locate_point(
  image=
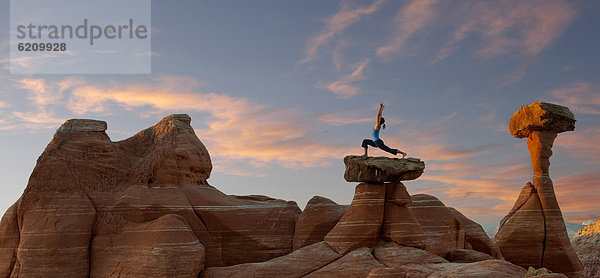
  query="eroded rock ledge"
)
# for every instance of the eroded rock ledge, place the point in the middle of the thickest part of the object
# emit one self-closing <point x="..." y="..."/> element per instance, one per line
<point x="382" y="169"/>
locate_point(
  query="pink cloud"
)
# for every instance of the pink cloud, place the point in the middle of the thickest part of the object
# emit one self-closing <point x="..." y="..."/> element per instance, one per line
<point x="525" y="27"/>
<point x="581" y="97"/>
<point x="236" y="129"/>
<point x="411" y="19"/>
<point x="344" y="118"/>
<point x="581" y="144"/>
<point x="577" y="195"/>
<point x="343" y="88"/>
<point x="39" y="92"/>
<point x="337" y="24"/>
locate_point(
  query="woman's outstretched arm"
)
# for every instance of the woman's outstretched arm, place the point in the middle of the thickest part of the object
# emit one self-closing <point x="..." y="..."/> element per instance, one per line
<point x="377" y="125"/>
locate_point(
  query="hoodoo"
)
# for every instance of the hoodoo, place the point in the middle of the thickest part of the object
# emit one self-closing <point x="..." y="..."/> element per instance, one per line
<point x="533" y="233"/>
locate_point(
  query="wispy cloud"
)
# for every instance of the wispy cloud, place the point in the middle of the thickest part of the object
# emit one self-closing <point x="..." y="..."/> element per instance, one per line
<point x="409" y="20"/>
<point x="344" y="88"/>
<point x="38" y="120"/>
<point x="344" y="118"/>
<point x="236" y="129"/>
<point x="336" y="25"/>
<point x="581" y="144"/>
<point x="490" y="118"/>
<point x="581" y="97"/>
<point x="38" y="114"/>
<point x="512" y="26"/>
<point x="578" y="196"/>
<point x="39" y="92"/>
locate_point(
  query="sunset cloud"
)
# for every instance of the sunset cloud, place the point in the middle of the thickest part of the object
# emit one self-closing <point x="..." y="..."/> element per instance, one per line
<point x="39" y="93"/>
<point x="581" y="97"/>
<point x="581" y="144"/>
<point x="409" y="20"/>
<point x="344" y="88"/>
<point x="237" y="129"/>
<point x="344" y="118"/>
<point x="578" y="196"/>
<point x="525" y="27"/>
<point x="337" y="24"/>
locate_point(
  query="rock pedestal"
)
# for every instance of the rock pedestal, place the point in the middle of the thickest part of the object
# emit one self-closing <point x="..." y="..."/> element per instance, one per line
<point x="379" y="208"/>
<point x="361" y="224"/>
<point x="399" y="223"/>
<point x="534" y="233"/>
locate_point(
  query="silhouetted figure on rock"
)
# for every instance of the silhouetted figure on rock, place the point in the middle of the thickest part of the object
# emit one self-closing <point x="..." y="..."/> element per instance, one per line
<point x="377" y="142"/>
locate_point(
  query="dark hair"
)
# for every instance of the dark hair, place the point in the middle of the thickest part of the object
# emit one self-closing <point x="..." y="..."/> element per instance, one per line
<point x="382" y="122"/>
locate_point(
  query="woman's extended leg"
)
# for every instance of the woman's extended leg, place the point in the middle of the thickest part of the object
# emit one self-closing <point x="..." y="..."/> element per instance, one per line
<point x="382" y="146"/>
<point x="367" y="142"/>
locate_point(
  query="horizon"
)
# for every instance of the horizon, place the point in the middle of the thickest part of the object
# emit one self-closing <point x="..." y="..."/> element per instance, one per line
<point x="278" y="106"/>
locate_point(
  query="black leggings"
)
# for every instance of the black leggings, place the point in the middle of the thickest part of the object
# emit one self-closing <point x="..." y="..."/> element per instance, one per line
<point x="379" y="144"/>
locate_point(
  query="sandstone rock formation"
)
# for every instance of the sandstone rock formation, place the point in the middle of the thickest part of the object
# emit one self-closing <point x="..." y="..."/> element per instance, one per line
<point x="395" y="255"/>
<point x="589" y="230"/>
<point x="297" y="264"/>
<point x="476" y="238"/>
<point x="542" y="273"/>
<point x="357" y="263"/>
<point x="534" y="233"/>
<point x="467" y="256"/>
<point x="399" y="223"/>
<point x="523" y="226"/>
<point x="125" y="249"/>
<point x="382" y="169"/>
<point x="483" y="269"/>
<point x="317" y="219"/>
<point x="9" y="240"/>
<point x="587" y="245"/>
<point x="446" y="229"/>
<point x="143" y="207"/>
<point x="361" y="224"/>
<point x="153" y="181"/>
<point x="386" y="272"/>
<point x="541" y="116"/>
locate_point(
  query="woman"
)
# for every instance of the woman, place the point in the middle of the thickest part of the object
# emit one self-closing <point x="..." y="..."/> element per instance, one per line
<point x="377" y="142"/>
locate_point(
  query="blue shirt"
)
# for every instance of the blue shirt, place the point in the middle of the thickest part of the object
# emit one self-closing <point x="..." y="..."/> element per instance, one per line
<point x="375" y="134"/>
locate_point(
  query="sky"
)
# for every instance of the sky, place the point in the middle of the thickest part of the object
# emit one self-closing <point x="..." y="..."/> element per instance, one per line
<point x="280" y="91"/>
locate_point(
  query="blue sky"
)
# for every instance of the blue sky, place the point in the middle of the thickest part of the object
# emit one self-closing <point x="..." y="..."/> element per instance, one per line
<point x="280" y="91"/>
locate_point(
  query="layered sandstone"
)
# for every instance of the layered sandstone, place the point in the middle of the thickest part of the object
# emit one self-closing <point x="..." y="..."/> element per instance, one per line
<point x="467" y="256"/>
<point x="386" y="272"/>
<point x="357" y="263"/>
<point x="399" y="223"/>
<point x="534" y="233"/>
<point x="446" y="229"/>
<point x="155" y="182"/>
<point x="361" y="224"/>
<point x="395" y="255"/>
<point x="318" y="218"/>
<point x="297" y="264"/>
<point x="122" y="248"/>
